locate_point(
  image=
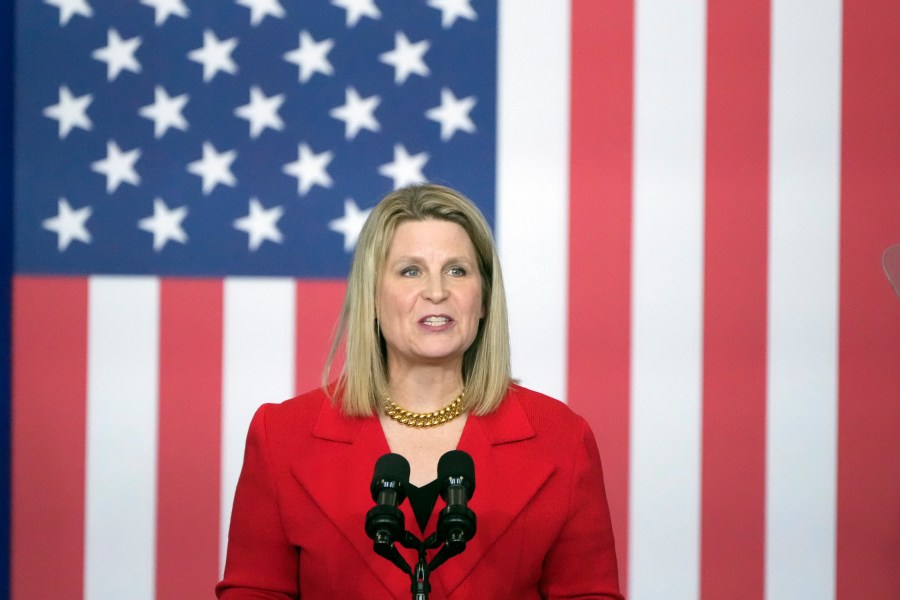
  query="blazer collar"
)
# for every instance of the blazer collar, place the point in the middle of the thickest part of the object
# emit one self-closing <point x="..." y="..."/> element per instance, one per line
<point x="337" y="475"/>
<point x="508" y="423"/>
<point x="334" y="426"/>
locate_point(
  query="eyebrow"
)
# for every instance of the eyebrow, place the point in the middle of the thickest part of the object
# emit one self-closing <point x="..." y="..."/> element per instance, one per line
<point x="409" y="258"/>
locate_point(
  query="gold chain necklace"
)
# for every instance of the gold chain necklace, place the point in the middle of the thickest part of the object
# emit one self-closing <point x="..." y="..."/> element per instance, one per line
<point x="421" y="420"/>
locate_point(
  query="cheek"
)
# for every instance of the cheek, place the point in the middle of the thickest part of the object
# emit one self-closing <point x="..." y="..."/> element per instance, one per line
<point x="385" y="300"/>
<point x="390" y="306"/>
<point x="475" y="306"/>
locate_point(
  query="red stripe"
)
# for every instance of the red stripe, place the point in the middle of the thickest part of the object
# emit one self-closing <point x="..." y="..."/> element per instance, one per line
<point x="49" y="391"/>
<point x="869" y="353"/>
<point x="190" y="392"/>
<point x="600" y="239"/>
<point x="735" y="301"/>
<point x="318" y="308"/>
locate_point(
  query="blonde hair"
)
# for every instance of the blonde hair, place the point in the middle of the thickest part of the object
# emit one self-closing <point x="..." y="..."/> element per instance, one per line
<point x="363" y="377"/>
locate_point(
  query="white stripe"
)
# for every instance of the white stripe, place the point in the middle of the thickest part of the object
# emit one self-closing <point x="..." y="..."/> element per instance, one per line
<point x="122" y="406"/>
<point x="803" y="294"/>
<point x="533" y="185"/>
<point x="667" y="299"/>
<point x="258" y="365"/>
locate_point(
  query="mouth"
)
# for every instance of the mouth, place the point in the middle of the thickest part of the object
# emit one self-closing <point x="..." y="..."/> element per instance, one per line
<point x="435" y="320"/>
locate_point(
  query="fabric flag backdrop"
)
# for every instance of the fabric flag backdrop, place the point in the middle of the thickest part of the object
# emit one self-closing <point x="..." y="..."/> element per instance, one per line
<point x="691" y="200"/>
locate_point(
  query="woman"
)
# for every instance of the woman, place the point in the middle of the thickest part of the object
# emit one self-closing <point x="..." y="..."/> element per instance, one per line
<point x="426" y="370"/>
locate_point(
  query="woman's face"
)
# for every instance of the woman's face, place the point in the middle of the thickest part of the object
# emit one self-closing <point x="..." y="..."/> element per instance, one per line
<point x="429" y="295"/>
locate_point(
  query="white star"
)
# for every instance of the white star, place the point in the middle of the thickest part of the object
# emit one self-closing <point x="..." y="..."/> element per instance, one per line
<point x="118" y="54"/>
<point x="118" y="166"/>
<point x="68" y="224"/>
<point x="260" y="224"/>
<point x="165" y="224"/>
<point x="166" y="8"/>
<point x="215" y="55"/>
<point x="406" y="58"/>
<point x="451" y="9"/>
<point x="311" y="56"/>
<point x="260" y="9"/>
<point x="357" y="113"/>
<point x="309" y="169"/>
<point x="350" y="224"/>
<point x="214" y="168"/>
<point x="165" y="112"/>
<point x="70" y="8"/>
<point x="261" y="112"/>
<point x="405" y="169"/>
<point x="70" y="111"/>
<point x="452" y="114"/>
<point x="356" y="9"/>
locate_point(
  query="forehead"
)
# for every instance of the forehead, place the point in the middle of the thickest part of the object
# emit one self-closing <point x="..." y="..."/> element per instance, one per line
<point x="430" y="236"/>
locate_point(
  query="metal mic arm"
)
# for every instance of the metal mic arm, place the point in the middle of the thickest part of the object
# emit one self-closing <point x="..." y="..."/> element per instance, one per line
<point x="384" y="524"/>
<point x="456" y="525"/>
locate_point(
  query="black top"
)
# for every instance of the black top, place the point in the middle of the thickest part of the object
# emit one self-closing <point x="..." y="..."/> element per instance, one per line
<point x="422" y="499"/>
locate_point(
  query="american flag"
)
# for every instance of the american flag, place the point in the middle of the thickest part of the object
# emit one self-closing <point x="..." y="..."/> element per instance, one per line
<point x="690" y="199"/>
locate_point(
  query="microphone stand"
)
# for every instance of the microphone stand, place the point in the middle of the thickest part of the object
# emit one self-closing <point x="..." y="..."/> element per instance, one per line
<point x="419" y="584"/>
<point x="420" y="587"/>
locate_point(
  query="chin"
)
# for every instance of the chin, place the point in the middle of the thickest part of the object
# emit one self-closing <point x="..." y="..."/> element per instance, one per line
<point x="438" y="357"/>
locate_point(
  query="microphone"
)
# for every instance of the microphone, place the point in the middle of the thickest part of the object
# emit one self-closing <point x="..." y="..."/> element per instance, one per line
<point x="391" y="477"/>
<point x="384" y="521"/>
<point x="456" y="522"/>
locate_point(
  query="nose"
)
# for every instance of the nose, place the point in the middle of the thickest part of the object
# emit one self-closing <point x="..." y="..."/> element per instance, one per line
<point x="435" y="289"/>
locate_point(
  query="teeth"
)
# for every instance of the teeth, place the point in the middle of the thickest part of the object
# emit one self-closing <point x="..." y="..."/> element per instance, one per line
<point x="436" y="320"/>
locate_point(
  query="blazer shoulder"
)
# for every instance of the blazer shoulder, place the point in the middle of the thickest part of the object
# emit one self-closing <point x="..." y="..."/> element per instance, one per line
<point x="297" y="414"/>
<point x="555" y="425"/>
<point x="307" y="403"/>
<point x="542" y="408"/>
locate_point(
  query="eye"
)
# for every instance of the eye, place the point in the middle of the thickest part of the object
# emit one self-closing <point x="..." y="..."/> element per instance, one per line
<point x="410" y="272"/>
<point x="457" y="271"/>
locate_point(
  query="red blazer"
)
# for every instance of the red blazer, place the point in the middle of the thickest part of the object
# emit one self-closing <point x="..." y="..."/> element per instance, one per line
<point x="297" y="527"/>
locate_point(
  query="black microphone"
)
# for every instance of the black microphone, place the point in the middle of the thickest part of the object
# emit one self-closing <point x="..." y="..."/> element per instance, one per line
<point x="384" y="521"/>
<point x="456" y="522"/>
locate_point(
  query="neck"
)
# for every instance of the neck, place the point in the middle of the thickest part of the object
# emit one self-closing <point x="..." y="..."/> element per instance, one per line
<point x="425" y="389"/>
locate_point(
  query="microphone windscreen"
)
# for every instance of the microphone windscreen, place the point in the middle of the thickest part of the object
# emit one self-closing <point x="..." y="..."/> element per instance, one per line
<point x="457" y="463"/>
<point x="391" y="467"/>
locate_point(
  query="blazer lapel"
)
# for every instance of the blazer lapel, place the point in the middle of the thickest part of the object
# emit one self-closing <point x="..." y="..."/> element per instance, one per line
<point x="337" y="474"/>
<point x="507" y="476"/>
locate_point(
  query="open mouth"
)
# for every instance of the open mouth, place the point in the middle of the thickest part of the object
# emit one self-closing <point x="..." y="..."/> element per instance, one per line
<point x="435" y="321"/>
